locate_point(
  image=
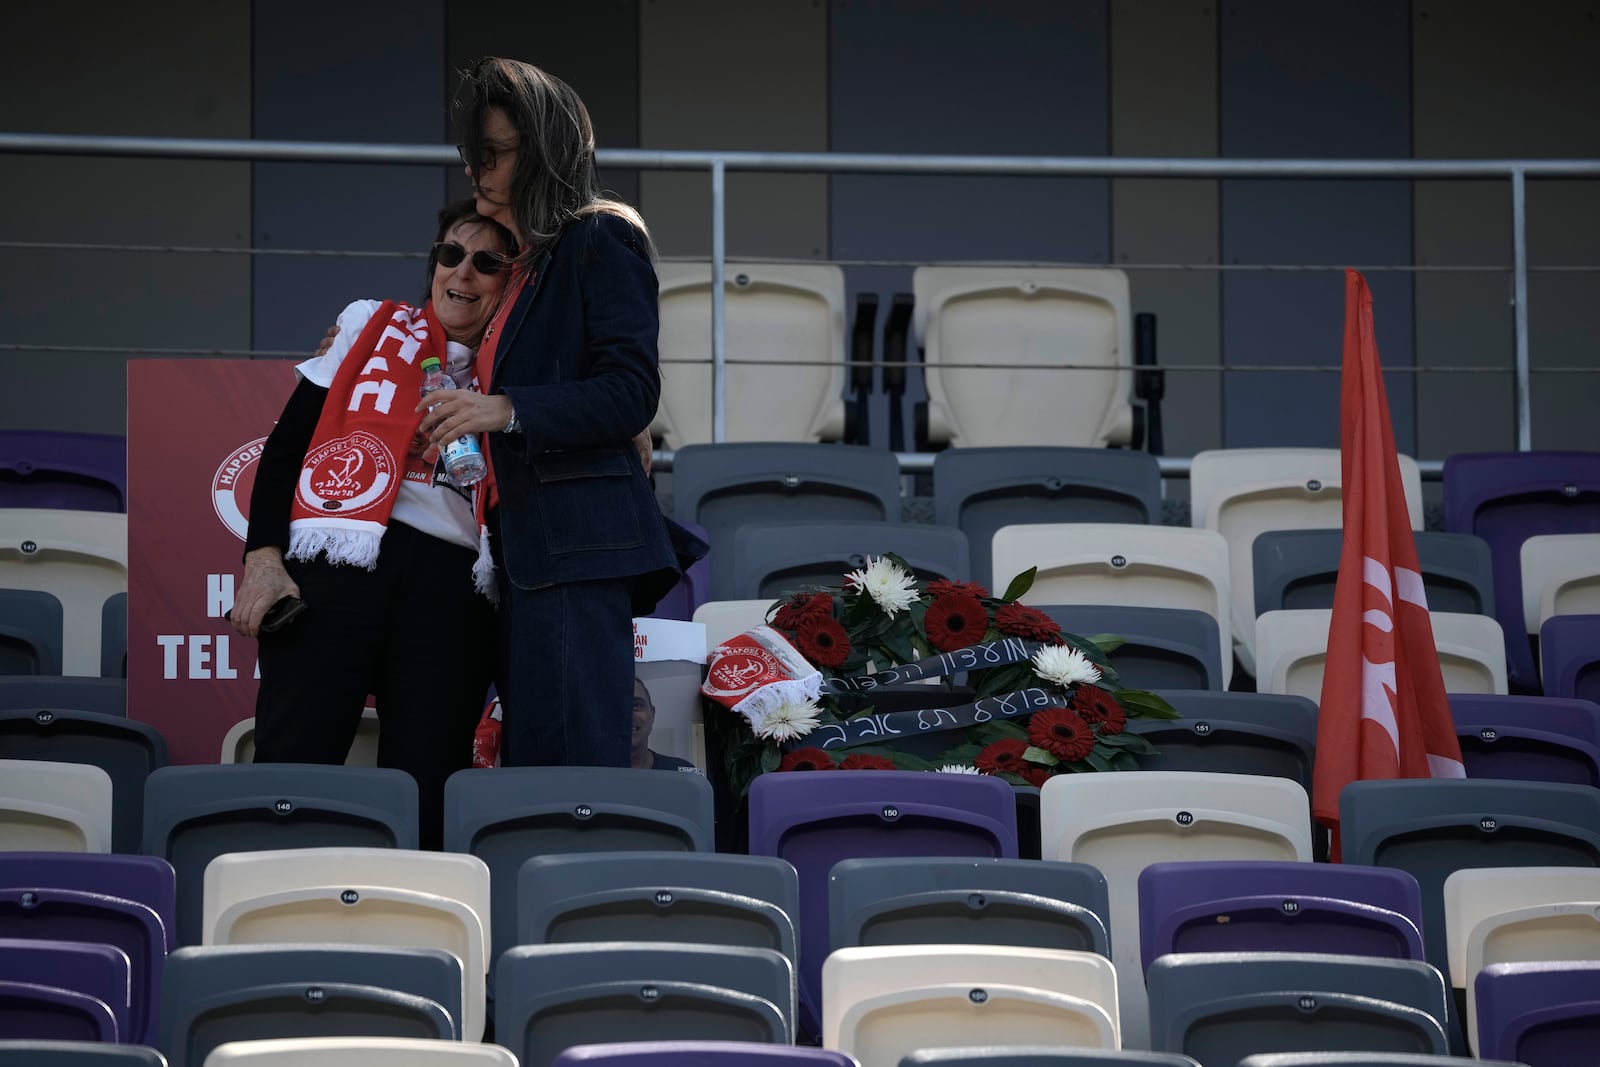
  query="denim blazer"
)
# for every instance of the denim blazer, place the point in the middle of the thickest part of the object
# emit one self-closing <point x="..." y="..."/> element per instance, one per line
<point x="578" y="360"/>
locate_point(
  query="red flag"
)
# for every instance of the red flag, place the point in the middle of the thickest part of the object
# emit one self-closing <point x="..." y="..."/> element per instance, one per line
<point x="1384" y="713"/>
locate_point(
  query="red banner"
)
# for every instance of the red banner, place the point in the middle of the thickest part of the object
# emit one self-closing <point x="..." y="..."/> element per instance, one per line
<point x="195" y="431"/>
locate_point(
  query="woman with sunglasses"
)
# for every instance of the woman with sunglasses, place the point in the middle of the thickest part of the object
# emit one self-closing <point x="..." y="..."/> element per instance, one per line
<point x="353" y="516"/>
<point x="580" y="544"/>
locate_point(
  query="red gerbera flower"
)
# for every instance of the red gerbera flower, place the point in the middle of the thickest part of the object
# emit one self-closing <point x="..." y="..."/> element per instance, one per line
<point x="1019" y="620"/>
<point x="801" y="607"/>
<point x="1002" y="755"/>
<point x="955" y="621"/>
<point x="940" y="587"/>
<point x="866" y="761"/>
<point x="807" y="759"/>
<point x="1034" y="774"/>
<point x="1060" y="732"/>
<point x="1099" y="708"/>
<point x="822" y="640"/>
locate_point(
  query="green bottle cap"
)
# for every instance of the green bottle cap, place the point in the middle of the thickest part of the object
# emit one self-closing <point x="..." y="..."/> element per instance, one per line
<point x="430" y="363"/>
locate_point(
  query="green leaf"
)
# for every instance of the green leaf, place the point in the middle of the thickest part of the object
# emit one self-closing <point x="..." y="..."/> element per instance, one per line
<point x="1127" y="742"/>
<point x="897" y="644"/>
<point x="963" y="754"/>
<point x="1098" y="761"/>
<point x="1143" y="704"/>
<point x="1020" y="584"/>
<point x="1002" y="729"/>
<point x="770" y="758"/>
<point x="1035" y="754"/>
<point x="1124" y="761"/>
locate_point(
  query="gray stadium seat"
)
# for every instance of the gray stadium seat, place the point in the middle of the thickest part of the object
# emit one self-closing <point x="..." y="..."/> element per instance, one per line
<point x="114" y="637"/>
<point x="980" y="490"/>
<point x="707" y="897"/>
<point x="777" y="559"/>
<point x="1297" y="569"/>
<point x="952" y="900"/>
<point x="507" y="815"/>
<point x="194" y="814"/>
<point x="1042" y="1056"/>
<point x="1220" y="1007"/>
<point x="225" y="993"/>
<point x="1366" y="1059"/>
<point x="1241" y="733"/>
<point x="551" y="997"/>
<point x="30" y="632"/>
<point x="108" y="696"/>
<point x="1163" y="648"/>
<point x="77" y="1054"/>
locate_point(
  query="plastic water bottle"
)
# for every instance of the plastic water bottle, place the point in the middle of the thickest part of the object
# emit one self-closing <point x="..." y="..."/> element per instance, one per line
<point x="463" y="460"/>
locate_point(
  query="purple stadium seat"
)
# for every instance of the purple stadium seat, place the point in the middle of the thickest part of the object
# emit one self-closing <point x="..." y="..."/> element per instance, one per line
<point x="815" y="819"/>
<point x="1257" y="906"/>
<point x="61" y="470"/>
<point x="1541" y="1014"/>
<point x="693" y="589"/>
<point x="1528" y="738"/>
<point x="1506" y="498"/>
<point x="1569" y="645"/>
<point x="699" y="1054"/>
<point x="30" y="1011"/>
<point x="147" y="880"/>
<point x="98" y="971"/>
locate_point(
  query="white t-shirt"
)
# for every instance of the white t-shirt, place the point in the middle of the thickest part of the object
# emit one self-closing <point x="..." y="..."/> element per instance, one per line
<point x="438" y="508"/>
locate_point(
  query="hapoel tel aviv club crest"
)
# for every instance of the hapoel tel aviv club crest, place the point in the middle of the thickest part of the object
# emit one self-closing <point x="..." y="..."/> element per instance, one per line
<point x="347" y="475"/>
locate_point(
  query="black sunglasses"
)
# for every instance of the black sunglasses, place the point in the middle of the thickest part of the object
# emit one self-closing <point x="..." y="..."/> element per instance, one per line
<point x="488" y="156"/>
<point x="448" y="254"/>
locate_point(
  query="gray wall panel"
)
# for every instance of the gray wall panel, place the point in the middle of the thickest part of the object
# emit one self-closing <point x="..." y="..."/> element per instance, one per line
<point x="733" y="75"/>
<point x="561" y="38"/>
<point x="1290" y="89"/>
<point x="1164" y="103"/>
<point x="375" y="74"/>
<point x="1497" y="80"/>
<point x="1018" y="77"/>
<point x="112" y="69"/>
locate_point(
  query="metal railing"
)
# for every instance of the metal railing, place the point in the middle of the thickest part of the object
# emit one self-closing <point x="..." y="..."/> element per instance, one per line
<point x="1515" y="171"/>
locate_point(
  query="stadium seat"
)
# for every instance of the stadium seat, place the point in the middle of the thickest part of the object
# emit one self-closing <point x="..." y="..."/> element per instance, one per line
<point x="786" y="346"/>
<point x="1243" y="492"/>
<point x="1298" y="569"/>
<point x="707" y="897"/>
<point x="63" y="471"/>
<point x="980" y="490"/>
<point x="1292" y="648"/>
<point x="882" y="1003"/>
<point x="816" y="820"/>
<point x="1254" y="906"/>
<point x="101" y="973"/>
<point x="126" y="750"/>
<point x="1133" y="566"/>
<point x="114" y="636"/>
<point x="1516" y="915"/>
<point x="551" y="997"/>
<point x="81" y="558"/>
<point x="357" y="1052"/>
<point x="891" y="900"/>
<point x="49" y="806"/>
<point x="700" y="1054"/>
<point x="1569" y="652"/>
<point x="239" y="743"/>
<point x="721" y="487"/>
<point x="30" y="632"/>
<point x="1120" y="822"/>
<point x="126" y="902"/>
<point x="1542" y="1014"/>
<point x="507" y="815"/>
<point x="1220" y="1007"/>
<point x="730" y="618"/>
<point x="1366" y="1059"/>
<point x="1529" y="738"/>
<point x="1235" y="733"/>
<point x="33" y="1011"/>
<point x="993" y="340"/>
<point x="77" y="1054"/>
<point x="1560" y="576"/>
<point x="194" y="814"/>
<point x="222" y="993"/>
<point x="357" y="896"/>
<point x="1009" y="1055"/>
<point x="107" y="696"/>
<point x="1162" y="648"/>
<point x="1506" y="498"/>
<point x="779" y="559"/>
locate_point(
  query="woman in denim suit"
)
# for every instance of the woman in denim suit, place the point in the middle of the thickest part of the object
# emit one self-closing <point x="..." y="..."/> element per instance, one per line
<point x="580" y="544"/>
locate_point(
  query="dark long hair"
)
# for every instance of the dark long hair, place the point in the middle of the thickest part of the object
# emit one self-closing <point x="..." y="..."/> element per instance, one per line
<point x="452" y="215"/>
<point x="554" y="180"/>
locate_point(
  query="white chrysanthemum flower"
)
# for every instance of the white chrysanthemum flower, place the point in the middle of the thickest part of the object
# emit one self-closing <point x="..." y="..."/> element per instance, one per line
<point x="890" y="587"/>
<point x="957" y="768"/>
<point x="1064" y="665"/>
<point x="788" y="721"/>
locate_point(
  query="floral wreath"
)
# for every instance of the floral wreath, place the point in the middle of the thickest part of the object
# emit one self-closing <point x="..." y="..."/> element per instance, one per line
<point x="1043" y="702"/>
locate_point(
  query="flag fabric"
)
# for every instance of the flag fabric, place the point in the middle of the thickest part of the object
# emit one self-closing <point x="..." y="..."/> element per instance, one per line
<point x="1384" y="713"/>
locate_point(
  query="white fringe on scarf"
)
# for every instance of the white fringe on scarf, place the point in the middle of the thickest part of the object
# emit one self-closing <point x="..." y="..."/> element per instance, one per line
<point x="358" y="548"/>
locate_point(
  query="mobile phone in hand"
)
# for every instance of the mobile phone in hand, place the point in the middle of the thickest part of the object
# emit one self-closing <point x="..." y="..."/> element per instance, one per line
<point x="281" y="614"/>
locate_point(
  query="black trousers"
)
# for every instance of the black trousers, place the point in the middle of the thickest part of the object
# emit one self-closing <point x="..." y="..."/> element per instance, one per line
<point x="412" y="633"/>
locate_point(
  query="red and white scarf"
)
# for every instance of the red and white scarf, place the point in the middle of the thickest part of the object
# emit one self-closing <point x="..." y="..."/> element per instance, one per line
<point x="361" y="449"/>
